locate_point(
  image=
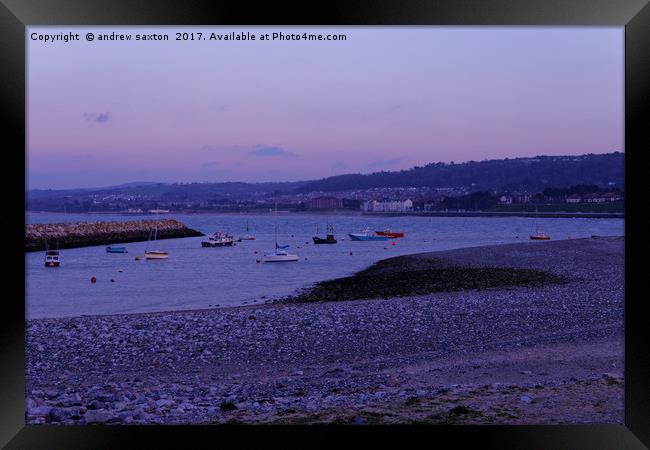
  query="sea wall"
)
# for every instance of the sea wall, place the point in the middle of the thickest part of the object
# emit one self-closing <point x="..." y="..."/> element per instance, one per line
<point x="83" y="234"/>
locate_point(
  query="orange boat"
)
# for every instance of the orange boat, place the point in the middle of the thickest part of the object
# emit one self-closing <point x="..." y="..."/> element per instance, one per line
<point x="390" y="234"/>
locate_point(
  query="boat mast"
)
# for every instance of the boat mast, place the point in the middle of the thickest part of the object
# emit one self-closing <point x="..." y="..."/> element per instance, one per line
<point x="276" y="226"/>
<point x="155" y="235"/>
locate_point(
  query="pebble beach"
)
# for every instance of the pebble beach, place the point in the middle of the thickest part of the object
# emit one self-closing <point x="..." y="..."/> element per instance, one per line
<point x="537" y="350"/>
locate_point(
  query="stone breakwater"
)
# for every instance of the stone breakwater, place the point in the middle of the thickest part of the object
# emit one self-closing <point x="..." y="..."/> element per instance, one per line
<point x="546" y="353"/>
<point x="84" y="234"/>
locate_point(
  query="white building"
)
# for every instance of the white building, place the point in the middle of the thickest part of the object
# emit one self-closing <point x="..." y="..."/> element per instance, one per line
<point x="387" y="206"/>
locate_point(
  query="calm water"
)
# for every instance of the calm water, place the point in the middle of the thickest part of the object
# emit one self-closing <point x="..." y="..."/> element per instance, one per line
<point x="194" y="277"/>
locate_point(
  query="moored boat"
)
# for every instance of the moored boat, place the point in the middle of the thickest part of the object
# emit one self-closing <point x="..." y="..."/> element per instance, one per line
<point x="389" y="233"/>
<point x="111" y="249"/>
<point x="247" y="236"/>
<point x="52" y="258"/>
<point x="539" y="235"/>
<point x="154" y="254"/>
<point x="329" y="237"/>
<point x="219" y="239"/>
<point x="367" y="235"/>
<point x="280" y="254"/>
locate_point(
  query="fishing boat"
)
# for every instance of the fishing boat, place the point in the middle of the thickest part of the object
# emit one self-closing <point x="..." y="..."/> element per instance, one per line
<point x="52" y="257"/>
<point x="280" y="254"/>
<point x="367" y="235"/>
<point x="247" y="236"/>
<point x="154" y="254"/>
<point x="116" y="250"/>
<point x="219" y="239"/>
<point x="329" y="237"/>
<point x="539" y="235"/>
<point x="389" y="233"/>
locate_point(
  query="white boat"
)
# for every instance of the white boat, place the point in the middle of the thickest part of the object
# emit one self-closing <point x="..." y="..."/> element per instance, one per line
<point x="247" y="236"/>
<point x="367" y="235"/>
<point x="539" y="235"/>
<point x="52" y="256"/>
<point x="280" y="254"/>
<point x="154" y="254"/>
<point x="219" y="239"/>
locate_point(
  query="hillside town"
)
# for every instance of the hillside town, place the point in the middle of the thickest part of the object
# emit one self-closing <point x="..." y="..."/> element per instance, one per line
<point x="373" y="200"/>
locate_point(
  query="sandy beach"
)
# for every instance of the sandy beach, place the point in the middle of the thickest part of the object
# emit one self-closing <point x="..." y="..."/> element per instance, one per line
<point x="526" y="350"/>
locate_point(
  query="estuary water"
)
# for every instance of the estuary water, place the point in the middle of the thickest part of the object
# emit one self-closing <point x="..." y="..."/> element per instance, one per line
<point x="196" y="278"/>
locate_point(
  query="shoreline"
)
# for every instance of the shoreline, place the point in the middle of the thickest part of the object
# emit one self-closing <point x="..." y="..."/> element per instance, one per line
<point x="410" y="359"/>
<point x="497" y="214"/>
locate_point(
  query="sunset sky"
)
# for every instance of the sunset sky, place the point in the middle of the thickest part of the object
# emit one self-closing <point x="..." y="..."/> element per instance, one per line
<point x="387" y="98"/>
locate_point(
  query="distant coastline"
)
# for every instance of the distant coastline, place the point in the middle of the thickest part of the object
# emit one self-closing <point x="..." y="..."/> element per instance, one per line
<point x="555" y="215"/>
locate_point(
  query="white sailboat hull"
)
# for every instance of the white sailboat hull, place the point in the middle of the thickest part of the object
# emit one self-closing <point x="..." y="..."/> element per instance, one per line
<point x="156" y="255"/>
<point x="280" y="258"/>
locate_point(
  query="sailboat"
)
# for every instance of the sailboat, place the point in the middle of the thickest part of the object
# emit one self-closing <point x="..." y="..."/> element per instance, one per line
<point x="539" y="235"/>
<point x="280" y="254"/>
<point x="247" y="236"/>
<point x="329" y="239"/>
<point x="155" y="254"/>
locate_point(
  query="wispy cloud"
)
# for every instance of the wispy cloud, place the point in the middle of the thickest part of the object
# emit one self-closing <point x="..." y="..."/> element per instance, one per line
<point x="98" y="118"/>
<point x="265" y="151"/>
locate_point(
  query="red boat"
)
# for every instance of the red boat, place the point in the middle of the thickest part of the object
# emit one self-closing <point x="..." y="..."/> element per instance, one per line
<point x="389" y="233"/>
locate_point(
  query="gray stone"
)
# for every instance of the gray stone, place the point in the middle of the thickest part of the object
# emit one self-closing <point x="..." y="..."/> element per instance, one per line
<point x="526" y="399"/>
<point x="97" y="416"/>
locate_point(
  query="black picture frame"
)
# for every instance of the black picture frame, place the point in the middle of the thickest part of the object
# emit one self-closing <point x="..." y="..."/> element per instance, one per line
<point x="16" y="15"/>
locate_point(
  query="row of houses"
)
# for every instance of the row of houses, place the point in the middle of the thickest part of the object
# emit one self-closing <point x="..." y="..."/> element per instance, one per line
<point x="387" y="205"/>
<point x="508" y="199"/>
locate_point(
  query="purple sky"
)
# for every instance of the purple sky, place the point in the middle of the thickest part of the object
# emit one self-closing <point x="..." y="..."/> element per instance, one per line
<point x="388" y="98"/>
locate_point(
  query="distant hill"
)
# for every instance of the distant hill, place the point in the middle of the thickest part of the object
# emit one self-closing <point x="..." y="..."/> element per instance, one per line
<point x="532" y="174"/>
<point x="518" y="174"/>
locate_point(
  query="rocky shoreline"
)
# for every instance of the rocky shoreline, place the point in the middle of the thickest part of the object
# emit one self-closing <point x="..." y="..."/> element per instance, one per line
<point x="84" y="234"/>
<point x="535" y="354"/>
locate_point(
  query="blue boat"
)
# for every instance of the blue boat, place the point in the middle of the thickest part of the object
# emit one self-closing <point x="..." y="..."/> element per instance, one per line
<point x="367" y="235"/>
<point x="116" y="250"/>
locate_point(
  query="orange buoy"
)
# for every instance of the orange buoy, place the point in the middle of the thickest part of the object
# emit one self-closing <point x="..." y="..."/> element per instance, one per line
<point x="394" y="243"/>
<point x="93" y="280"/>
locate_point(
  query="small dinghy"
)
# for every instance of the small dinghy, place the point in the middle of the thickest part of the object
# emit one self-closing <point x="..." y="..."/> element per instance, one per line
<point x="116" y="250"/>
